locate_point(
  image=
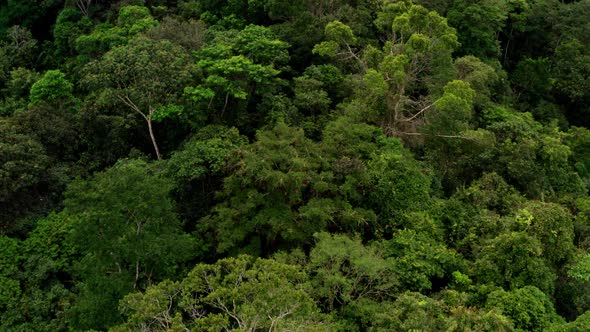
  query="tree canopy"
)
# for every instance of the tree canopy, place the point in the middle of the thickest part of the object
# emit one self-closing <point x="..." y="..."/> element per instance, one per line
<point x="317" y="165"/>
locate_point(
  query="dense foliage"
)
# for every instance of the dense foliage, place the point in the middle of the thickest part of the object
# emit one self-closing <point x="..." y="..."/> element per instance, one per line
<point x="316" y="165"/>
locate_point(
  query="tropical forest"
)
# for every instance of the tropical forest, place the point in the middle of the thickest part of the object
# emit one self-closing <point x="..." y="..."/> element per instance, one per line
<point x="295" y="165"/>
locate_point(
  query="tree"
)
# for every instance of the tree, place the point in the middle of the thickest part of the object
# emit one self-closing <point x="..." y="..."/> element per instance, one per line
<point x="572" y="70"/>
<point x="418" y="259"/>
<point x="340" y="43"/>
<point x="69" y="25"/>
<point x="414" y="311"/>
<point x="451" y="113"/>
<point x="478" y="24"/>
<point x="528" y="307"/>
<point x="198" y="167"/>
<point x="241" y="293"/>
<point x="415" y="57"/>
<point x="58" y="128"/>
<point x="533" y="157"/>
<point x="493" y="193"/>
<point x="9" y="287"/>
<point x="283" y="188"/>
<point x="128" y="236"/>
<point x="20" y="47"/>
<point x="553" y="225"/>
<point x="485" y="79"/>
<point x="532" y="79"/>
<point x="572" y="295"/>
<point x="16" y="92"/>
<point x="344" y="271"/>
<point x="23" y="165"/>
<point x="451" y="145"/>
<point x="239" y="67"/>
<point x="131" y="21"/>
<point x="513" y="260"/>
<point x="581" y="268"/>
<point x="45" y="262"/>
<point x="188" y="34"/>
<point x="376" y="173"/>
<point x="578" y="140"/>
<point x="269" y="182"/>
<point x="578" y="325"/>
<point x="20" y="82"/>
<point x="53" y="88"/>
<point x="146" y="76"/>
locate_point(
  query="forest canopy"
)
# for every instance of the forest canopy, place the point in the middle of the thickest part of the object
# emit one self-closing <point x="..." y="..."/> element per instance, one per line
<point x="316" y="165"/>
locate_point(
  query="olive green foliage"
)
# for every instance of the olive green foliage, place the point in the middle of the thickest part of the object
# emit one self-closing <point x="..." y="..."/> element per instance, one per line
<point x="514" y="260"/>
<point x="190" y="35"/>
<point x="198" y="167"/>
<point x="241" y="293"/>
<point x="571" y="70"/>
<point x="303" y="165"/>
<point x="19" y="48"/>
<point x="23" y="161"/>
<point x="69" y="25"/>
<point x="284" y="179"/>
<point x="483" y="78"/>
<point x="414" y="311"/>
<point x="145" y="77"/>
<point x="346" y="272"/>
<point x="9" y="288"/>
<point x="204" y="153"/>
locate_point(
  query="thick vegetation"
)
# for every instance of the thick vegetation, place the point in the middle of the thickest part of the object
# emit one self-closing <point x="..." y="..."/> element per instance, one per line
<point x="309" y="165"/>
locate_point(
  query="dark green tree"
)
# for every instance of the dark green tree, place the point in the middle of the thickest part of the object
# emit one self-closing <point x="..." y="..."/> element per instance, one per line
<point x="128" y="236"/>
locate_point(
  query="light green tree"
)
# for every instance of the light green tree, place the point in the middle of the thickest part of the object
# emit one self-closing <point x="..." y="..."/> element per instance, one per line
<point x="240" y="294"/>
<point x="131" y="21"/>
<point x="238" y="67"/>
<point x="415" y="55"/>
<point x="344" y="271"/>
<point x="53" y="88"/>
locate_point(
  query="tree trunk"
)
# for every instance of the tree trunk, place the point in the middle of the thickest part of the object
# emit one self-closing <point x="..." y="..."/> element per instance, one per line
<point x="148" y="118"/>
<point x="149" y="121"/>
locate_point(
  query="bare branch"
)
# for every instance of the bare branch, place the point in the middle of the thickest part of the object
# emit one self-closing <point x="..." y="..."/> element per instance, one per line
<point x="437" y="135"/>
<point x="420" y="112"/>
<point x="127" y="101"/>
<point x="83" y="5"/>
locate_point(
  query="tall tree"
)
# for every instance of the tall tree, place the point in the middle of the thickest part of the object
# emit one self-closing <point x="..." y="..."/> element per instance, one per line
<point x="415" y="58"/>
<point x="145" y="76"/>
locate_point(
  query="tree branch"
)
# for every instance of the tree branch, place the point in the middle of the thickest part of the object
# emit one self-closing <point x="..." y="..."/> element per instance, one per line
<point x="127" y="101"/>
<point x="436" y="135"/>
<point x="420" y="112"/>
